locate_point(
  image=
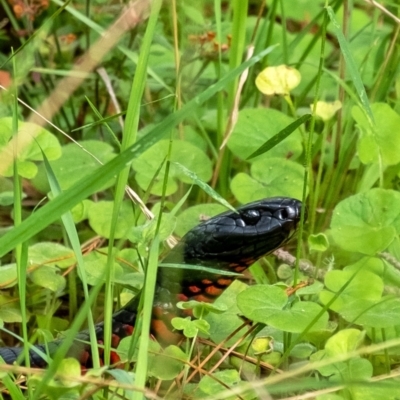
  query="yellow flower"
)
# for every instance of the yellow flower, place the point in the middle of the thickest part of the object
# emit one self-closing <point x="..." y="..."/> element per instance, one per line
<point x="325" y="110"/>
<point x="278" y="80"/>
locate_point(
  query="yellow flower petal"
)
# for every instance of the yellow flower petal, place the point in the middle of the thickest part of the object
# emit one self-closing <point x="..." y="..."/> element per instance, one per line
<point x="278" y="80"/>
<point x="326" y="110"/>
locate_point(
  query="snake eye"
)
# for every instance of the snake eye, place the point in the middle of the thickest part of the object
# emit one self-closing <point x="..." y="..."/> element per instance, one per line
<point x="250" y="217"/>
<point x="282" y="214"/>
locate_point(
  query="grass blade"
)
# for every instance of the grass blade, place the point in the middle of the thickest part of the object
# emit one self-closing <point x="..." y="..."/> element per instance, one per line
<point x="74" y="239"/>
<point x="351" y="65"/>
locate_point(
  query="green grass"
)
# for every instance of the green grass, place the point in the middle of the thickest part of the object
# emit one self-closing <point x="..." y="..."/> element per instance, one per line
<point x="175" y="72"/>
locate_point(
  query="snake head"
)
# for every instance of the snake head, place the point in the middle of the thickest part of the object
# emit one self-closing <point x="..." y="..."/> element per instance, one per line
<point x="255" y="230"/>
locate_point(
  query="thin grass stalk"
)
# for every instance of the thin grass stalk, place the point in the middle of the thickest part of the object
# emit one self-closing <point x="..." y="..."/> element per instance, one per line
<point x="308" y="182"/>
<point x="177" y="59"/>
<point x="342" y="74"/>
<point x="149" y="289"/>
<point x="271" y="26"/>
<point x="285" y="55"/>
<point x="318" y="181"/>
<point x="128" y="139"/>
<point x="237" y="49"/>
<point x="239" y="11"/>
<point x="87" y="30"/>
<point x="218" y="68"/>
<point x="73" y="237"/>
<point x="21" y="250"/>
<point x="388" y="68"/>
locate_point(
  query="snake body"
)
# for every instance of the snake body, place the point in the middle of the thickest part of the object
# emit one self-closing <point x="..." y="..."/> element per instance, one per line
<point x="227" y="242"/>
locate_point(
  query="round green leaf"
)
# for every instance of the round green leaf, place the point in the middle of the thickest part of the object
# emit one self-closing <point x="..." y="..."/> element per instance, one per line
<point x="343" y="342"/>
<point x="51" y="254"/>
<point x="149" y="162"/>
<point x="68" y="368"/>
<point x="100" y="215"/>
<point x="355" y="290"/>
<point x="9" y="310"/>
<point x="75" y="164"/>
<point x="95" y="267"/>
<point x="44" y="141"/>
<point x="382" y="314"/>
<point x="213" y="384"/>
<point x="8" y="275"/>
<point x="269" y="178"/>
<point x="186" y="325"/>
<point x="222" y="325"/>
<point x="268" y="305"/>
<point x="49" y="278"/>
<point x="257" y="125"/>
<point x="380" y="143"/>
<point x="318" y="242"/>
<point x="169" y="364"/>
<point x="367" y="222"/>
<point x="6" y="199"/>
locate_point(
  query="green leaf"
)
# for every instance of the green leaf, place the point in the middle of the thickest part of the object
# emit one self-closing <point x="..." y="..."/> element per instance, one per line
<point x="190" y="327"/>
<point x="96" y="263"/>
<point x="318" y="242"/>
<point x="76" y="163"/>
<point x="185" y="153"/>
<point x="387" y="272"/>
<point x="9" y="310"/>
<point x="367" y="222"/>
<point x="212" y="386"/>
<point x="302" y="350"/>
<point x="355" y="369"/>
<point x="202" y="325"/>
<point x="382" y="314"/>
<point x="222" y="325"/>
<point x="169" y="364"/>
<point x="80" y="211"/>
<point x="186" y="325"/>
<point x="49" y="278"/>
<point x="8" y="275"/>
<point x="255" y="126"/>
<point x="51" y="254"/>
<point x="7" y="198"/>
<point x="378" y="144"/>
<point x="356" y="289"/>
<point x="100" y="215"/>
<point x="343" y="342"/>
<point x="269" y="178"/>
<point x="44" y="140"/>
<point x="68" y="368"/>
<point x="269" y="305"/>
<point x="201" y="309"/>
